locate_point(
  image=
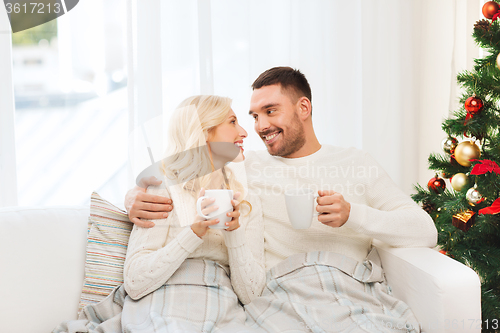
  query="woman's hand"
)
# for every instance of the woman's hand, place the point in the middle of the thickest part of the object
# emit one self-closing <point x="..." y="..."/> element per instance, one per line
<point x="200" y="226"/>
<point x="235" y="214"/>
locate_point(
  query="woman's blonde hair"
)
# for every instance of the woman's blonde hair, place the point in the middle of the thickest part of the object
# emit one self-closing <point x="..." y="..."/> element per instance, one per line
<point x="188" y="158"/>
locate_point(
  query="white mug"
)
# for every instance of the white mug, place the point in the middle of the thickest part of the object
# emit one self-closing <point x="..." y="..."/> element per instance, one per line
<point x="223" y="200"/>
<point x="300" y="206"/>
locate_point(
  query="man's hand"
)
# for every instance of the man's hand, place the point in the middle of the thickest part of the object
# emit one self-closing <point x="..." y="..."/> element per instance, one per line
<point x="141" y="205"/>
<point x="334" y="210"/>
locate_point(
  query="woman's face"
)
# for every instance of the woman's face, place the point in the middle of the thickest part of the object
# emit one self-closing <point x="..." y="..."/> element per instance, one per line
<point x="230" y="131"/>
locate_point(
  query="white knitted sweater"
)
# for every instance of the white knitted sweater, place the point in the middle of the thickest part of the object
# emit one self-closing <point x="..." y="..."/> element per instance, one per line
<point x="379" y="209"/>
<point x="154" y="254"/>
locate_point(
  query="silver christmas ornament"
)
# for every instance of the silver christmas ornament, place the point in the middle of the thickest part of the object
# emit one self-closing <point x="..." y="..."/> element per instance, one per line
<point x="449" y="144"/>
<point x="473" y="196"/>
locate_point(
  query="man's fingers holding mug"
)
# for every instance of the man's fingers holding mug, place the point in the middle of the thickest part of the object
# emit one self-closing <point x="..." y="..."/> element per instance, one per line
<point x="329" y="197"/>
<point x="329" y="208"/>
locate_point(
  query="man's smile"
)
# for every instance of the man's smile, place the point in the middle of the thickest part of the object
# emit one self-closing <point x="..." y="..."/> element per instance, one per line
<point x="270" y="138"/>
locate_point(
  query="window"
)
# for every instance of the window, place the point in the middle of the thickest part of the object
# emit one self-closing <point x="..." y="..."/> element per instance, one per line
<point x="71" y="106"/>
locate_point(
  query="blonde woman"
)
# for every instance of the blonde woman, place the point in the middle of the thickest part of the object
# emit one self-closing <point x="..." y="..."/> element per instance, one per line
<point x="189" y="279"/>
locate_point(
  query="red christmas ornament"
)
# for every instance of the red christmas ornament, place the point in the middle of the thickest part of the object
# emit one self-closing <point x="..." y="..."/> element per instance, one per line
<point x="436" y="184"/>
<point x="473" y="105"/>
<point x="490" y="8"/>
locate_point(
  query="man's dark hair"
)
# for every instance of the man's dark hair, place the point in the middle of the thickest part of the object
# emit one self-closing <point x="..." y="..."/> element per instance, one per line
<point x="292" y="81"/>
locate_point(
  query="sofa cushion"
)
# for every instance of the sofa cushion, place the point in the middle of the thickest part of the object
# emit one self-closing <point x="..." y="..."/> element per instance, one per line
<point x="42" y="255"/>
<point x="109" y="231"/>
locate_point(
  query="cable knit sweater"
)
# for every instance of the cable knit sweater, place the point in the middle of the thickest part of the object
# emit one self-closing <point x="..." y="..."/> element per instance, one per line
<point x="379" y="209"/>
<point x="154" y="254"/>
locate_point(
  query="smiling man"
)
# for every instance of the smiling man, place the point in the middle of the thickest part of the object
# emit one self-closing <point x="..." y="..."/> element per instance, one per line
<point x="326" y="277"/>
<point x="283" y="133"/>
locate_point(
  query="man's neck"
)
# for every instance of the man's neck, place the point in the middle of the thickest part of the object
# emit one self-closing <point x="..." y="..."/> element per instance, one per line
<point x="309" y="148"/>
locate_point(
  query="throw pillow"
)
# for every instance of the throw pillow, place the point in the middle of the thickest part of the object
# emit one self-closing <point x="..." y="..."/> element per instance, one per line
<point x="109" y="231"/>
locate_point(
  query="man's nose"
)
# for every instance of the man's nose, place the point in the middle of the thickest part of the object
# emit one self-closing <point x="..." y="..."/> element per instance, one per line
<point x="262" y="124"/>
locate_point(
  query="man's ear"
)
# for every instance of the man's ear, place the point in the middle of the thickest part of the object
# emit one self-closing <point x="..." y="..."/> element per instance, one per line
<point x="304" y="107"/>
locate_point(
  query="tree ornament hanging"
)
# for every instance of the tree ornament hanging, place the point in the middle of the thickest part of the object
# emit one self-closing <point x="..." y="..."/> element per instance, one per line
<point x="473" y="196"/>
<point x="436" y="184"/>
<point x="466" y="151"/>
<point x="473" y="105"/>
<point x="449" y="144"/>
<point x="498" y="61"/>
<point x="464" y="220"/>
<point x="459" y="181"/>
<point x="490" y="8"/>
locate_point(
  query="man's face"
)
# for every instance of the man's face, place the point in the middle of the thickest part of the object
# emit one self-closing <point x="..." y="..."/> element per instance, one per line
<point x="276" y="120"/>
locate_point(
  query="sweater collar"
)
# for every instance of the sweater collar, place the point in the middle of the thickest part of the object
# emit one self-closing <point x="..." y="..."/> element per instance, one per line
<point x="299" y="160"/>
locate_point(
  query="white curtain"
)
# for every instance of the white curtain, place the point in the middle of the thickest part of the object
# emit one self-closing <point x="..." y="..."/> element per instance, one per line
<point x="382" y="72"/>
<point x="8" y="179"/>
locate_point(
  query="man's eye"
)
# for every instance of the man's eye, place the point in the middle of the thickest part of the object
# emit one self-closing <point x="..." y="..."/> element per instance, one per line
<point x="270" y="111"/>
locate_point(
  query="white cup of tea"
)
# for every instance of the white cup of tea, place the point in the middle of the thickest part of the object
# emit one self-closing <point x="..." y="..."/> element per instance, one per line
<point x="223" y="200"/>
<point x="300" y="206"/>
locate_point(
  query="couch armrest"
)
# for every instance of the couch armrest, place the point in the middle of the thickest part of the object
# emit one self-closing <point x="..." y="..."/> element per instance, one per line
<point x="444" y="294"/>
<point x="42" y="259"/>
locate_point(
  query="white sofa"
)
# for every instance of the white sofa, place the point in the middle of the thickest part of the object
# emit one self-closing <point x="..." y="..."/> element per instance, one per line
<point x="42" y="255"/>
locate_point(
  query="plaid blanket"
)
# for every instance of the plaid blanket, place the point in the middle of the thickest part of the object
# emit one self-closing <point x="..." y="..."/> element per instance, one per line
<point x="197" y="298"/>
<point x="328" y="292"/>
<point x="308" y="292"/>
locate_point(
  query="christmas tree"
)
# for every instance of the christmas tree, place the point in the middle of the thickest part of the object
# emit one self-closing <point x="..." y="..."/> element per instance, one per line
<point x="467" y="216"/>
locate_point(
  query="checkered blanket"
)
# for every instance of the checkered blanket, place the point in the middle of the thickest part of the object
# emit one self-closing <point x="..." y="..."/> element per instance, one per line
<point x="309" y="292"/>
<point x="328" y="292"/>
<point x="197" y="298"/>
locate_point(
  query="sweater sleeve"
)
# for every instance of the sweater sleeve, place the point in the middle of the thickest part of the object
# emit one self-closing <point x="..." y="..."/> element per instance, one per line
<point x="245" y="247"/>
<point x="150" y="262"/>
<point x="390" y="216"/>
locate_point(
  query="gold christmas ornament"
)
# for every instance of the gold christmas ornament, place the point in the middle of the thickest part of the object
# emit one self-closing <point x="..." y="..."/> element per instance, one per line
<point x="466" y="151"/>
<point x="459" y="181"/>
<point x="498" y="61"/>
